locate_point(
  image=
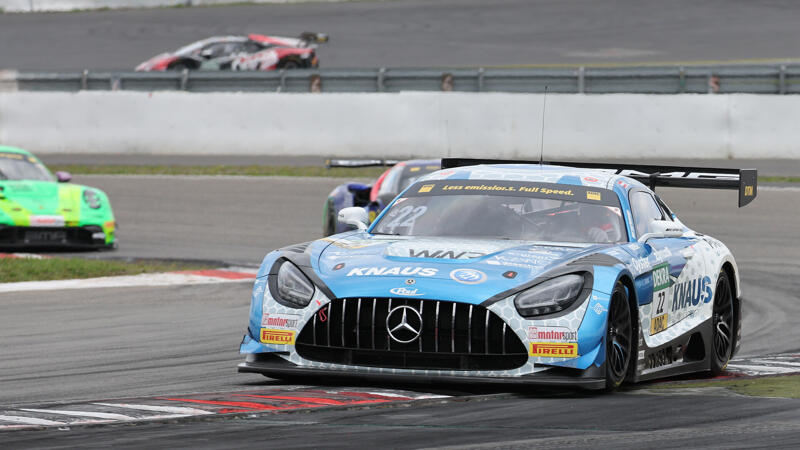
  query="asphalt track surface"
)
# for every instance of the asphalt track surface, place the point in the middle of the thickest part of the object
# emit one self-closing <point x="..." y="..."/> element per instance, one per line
<point x="112" y="343"/>
<point x="422" y="33"/>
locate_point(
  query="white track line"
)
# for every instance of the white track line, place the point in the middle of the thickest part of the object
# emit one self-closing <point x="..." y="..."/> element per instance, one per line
<point x="762" y="369"/>
<point x="30" y="420"/>
<point x="776" y="362"/>
<point x="145" y="279"/>
<point x="168" y="409"/>
<point x="98" y="415"/>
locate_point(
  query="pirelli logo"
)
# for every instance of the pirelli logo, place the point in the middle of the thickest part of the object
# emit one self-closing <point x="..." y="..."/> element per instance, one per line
<point x="553" y="349"/>
<point x="426" y="188"/>
<point x="270" y="336"/>
<point x="592" y="195"/>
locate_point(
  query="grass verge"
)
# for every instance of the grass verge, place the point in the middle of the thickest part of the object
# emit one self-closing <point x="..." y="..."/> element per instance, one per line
<point x="253" y="170"/>
<point x="787" y="386"/>
<point x="265" y="171"/>
<point x="778" y="179"/>
<point x="21" y="269"/>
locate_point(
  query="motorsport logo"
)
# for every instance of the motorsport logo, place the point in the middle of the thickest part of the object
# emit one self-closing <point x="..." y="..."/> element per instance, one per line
<point x="46" y="221"/>
<point x="552" y="334"/>
<point x="286" y="321"/>
<point x="468" y="276"/>
<point x="384" y="271"/>
<point x="283" y="337"/>
<point x="553" y="350"/>
<point x="405" y="291"/>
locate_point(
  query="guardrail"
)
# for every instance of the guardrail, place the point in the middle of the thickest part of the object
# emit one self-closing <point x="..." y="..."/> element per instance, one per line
<point x="762" y="79"/>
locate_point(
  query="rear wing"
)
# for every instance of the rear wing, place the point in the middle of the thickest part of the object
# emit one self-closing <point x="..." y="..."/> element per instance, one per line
<point x="360" y="162"/>
<point x="310" y="36"/>
<point x="743" y="180"/>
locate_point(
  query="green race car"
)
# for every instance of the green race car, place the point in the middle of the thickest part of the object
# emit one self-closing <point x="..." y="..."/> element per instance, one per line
<point x="38" y="209"/>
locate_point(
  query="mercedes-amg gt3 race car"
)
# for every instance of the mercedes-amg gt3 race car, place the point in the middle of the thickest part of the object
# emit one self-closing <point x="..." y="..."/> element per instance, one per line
<point x="251" y="52"/>
<point x="40" y="210"/>
<point x="374" y="196"/>
<point x="552" y="273"/>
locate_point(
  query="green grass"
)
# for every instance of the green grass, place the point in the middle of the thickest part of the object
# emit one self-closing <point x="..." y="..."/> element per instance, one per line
<point x="252" y="170"/>
<point x="778" y="179"/>
<point x="787" y="386"/>
<point x="265" y="171"/>
<point x="19" y="269"/>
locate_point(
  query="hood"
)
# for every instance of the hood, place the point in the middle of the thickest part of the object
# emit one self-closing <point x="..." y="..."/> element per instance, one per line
<point x="362" y="265"/>
<point x="45" y="203"/>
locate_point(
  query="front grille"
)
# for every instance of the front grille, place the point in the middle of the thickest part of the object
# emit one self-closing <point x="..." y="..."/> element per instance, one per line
<point x="454" y="336"/>
<point x="44" y="236"/>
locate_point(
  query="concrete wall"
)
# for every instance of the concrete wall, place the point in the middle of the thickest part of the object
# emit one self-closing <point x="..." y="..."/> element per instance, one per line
<point x="71" y="5"/>
<point x="404" y="124"/>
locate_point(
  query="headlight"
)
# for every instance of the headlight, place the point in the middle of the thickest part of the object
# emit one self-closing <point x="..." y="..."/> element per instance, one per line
<point x="551" y="296"/>
<point x="91" y="198"/>
<point x="294" y="288"/>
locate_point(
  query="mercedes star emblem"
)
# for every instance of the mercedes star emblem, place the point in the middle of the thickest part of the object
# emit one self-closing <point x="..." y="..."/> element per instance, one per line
<point x="404" y="324"/>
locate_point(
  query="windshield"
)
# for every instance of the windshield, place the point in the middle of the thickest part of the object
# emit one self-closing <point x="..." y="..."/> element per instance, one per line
<point x="505" y="210"/>
<point x="15" y="166"/>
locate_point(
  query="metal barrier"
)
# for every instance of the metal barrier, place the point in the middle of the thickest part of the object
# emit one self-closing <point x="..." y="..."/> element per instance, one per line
<point x="762" y="79"/>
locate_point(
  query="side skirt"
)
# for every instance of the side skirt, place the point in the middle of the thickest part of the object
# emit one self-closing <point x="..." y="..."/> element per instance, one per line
<point x="685" y="354"/>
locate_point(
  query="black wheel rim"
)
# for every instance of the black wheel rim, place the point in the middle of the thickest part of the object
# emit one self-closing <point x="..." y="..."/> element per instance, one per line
<point x="619" y="337"/>
<point x="723" y="322"/>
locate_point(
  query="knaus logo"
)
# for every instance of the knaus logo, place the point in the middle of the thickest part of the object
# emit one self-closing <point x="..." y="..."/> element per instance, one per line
<point x="385" y="271"/>
<point x="691" y="293"/>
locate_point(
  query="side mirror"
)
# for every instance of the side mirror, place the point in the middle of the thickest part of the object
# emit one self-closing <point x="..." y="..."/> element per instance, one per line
<point x="355" y="216"/>
<point x="661" y="229"/>
<point x="63" y="177"/>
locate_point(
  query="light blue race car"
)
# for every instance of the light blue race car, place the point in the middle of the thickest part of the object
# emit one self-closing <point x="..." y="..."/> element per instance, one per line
<point x="501" y="271"/>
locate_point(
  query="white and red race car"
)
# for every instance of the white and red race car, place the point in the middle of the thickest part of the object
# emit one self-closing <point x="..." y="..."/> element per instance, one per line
<point x="251" y="52"/>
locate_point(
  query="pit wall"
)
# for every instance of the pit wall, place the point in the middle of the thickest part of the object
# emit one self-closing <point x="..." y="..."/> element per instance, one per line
<point x="75" y="5"/>
<point x="404" y="125"/>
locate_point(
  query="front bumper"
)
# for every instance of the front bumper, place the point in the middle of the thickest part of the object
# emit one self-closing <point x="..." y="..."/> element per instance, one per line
<point x="87" y="237"/>
<point x="272" y="365"/>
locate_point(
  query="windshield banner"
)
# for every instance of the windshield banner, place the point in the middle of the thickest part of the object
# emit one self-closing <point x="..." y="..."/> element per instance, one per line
<point x="552" y="191"/>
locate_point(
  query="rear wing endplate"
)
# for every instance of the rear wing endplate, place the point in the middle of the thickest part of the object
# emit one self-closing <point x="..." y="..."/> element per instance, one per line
<point x="743" y="180"/>
<point x="360" y="162"/>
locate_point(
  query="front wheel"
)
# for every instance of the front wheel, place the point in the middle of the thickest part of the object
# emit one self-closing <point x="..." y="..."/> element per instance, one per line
<point x="722" y="320"/>
<point x="619" y="338"/>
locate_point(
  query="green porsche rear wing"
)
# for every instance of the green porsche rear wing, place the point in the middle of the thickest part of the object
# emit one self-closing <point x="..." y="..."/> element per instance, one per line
<point x="743" y="180"/>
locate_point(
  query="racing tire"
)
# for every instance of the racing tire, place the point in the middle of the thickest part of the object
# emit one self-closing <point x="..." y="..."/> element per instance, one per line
<point x="722" y="322"/>
<point x="291" y="64"/>
<point x="179" y="66"/>
<point x="619" y="338"/>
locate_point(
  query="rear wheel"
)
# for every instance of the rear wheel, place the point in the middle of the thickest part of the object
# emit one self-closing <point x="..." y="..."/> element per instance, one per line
<point x="291" y="64"/>
<point x="179" y="66"/>
<point x="619" y="338"/>
<point x="722" y="320"/>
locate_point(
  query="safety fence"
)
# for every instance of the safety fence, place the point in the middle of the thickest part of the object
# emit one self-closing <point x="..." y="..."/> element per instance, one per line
<point x="722" y="79"/>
